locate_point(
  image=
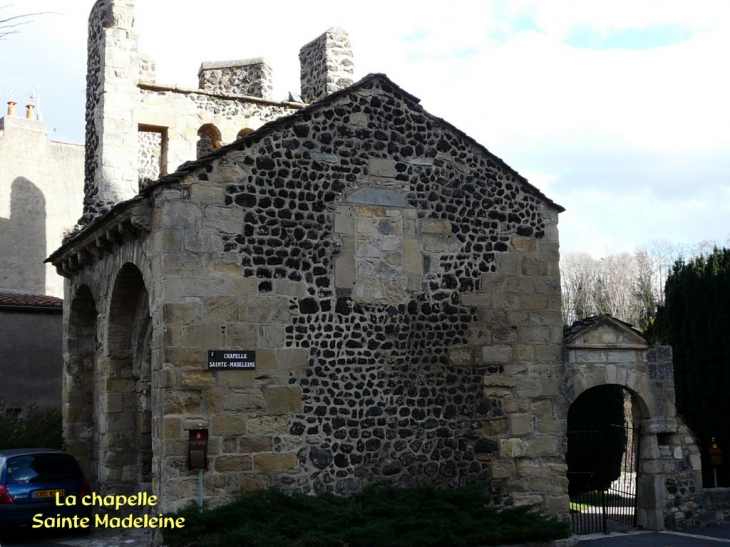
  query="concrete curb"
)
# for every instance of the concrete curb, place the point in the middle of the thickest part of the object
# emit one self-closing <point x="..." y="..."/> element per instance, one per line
<point x="572" y="541"/>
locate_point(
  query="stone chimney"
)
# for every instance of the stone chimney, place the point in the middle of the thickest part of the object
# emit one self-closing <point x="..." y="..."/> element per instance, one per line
<point x="252" y="77"/>
<point x="326" y="65"/>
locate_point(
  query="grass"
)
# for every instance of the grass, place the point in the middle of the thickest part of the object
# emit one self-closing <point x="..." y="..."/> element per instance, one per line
<point x="591" y="500"/>
<point x="378" y="517"/>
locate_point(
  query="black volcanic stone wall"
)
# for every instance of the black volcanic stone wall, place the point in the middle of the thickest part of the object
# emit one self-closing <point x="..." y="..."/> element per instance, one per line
<point x="94" y="91"/>
<point x="380" y="400"/>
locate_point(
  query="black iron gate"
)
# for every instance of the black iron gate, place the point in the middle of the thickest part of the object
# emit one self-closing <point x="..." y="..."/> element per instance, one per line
<point x="602" y="484"/>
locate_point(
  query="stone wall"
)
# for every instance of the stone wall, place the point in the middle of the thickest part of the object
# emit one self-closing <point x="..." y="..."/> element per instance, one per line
<point x="30" y="357"/>
<point x="678" y="458"/>
<point x="182" y="113"/>
<point x="122" y="99"/>
<point x="251" y="77"/>
<point x="364" y="282"/>
<point x="603" y="351"/>
<point x="150" y="158"/>
<point x="41" y="184"/>
<point x="713" y="509"/>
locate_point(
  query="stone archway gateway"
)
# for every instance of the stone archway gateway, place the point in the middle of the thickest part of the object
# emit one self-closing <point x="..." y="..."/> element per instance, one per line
<point x="603" y="351"/>
<point x="602" y="457"/>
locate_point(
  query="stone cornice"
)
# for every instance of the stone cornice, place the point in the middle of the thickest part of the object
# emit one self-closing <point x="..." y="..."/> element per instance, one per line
<point x="129" y="222"/>
<point x="151" y="86"/>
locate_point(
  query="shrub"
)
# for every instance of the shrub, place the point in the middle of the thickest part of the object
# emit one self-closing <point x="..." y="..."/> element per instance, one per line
<point x="381" y="516"/>
<point x="36" y="429"/>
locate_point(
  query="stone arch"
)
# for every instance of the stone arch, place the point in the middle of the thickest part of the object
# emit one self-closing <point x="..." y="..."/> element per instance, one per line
<point x="209" y="139"/>
<point x="126" y="402"/>
<point x="578" y="385"/>
<point x="79" y="393"/>
<point x="605" y="351"/>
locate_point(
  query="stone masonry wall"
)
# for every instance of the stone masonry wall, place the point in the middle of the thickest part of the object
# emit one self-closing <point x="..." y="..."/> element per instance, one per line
<point x="121" y="96"/>
<point x="150" y="157"/>
<point x="713" y="508"/>
<point x="251" y="77"/>
<point x="94" y="92"/>
<point x="183" y="113"/>
<point x="679" y="459"/>
<point x="352" y="387"/>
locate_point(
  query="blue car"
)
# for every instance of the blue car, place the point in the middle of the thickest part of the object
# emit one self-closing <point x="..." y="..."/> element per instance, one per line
<point x="31" y="482"/>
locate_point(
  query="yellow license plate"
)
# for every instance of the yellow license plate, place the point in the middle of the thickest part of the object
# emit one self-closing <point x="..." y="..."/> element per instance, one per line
<point x="48" y="493"/>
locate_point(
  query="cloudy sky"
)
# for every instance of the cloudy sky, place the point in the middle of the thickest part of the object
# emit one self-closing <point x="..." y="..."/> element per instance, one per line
<point x="619" y="110"/>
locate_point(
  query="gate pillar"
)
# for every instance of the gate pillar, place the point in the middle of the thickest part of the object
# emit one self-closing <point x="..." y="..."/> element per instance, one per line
<point x="651" y="495"/>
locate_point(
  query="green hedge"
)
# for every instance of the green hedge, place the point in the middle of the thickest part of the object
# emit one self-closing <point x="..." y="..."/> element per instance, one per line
<point x="379" y="517"/>
<point x="36" y="429"/>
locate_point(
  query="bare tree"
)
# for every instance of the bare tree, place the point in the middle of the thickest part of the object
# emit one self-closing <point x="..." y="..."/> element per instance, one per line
<point x="577" y="280"/>
<point x="8" y="25"/>
<point x="629" y="287"/>
<point x="615" y="288"/>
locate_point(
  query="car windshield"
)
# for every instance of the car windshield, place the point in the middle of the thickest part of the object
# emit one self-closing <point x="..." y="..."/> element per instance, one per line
<point x="37" y="468"/>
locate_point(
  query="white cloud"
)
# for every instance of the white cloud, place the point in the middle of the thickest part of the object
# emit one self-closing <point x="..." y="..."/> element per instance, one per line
<point x="647" y="126"/>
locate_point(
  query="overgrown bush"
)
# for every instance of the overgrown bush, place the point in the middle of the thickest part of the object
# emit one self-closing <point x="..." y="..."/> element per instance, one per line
<point x="36" y="429"/>
<point x="379" y="517"/>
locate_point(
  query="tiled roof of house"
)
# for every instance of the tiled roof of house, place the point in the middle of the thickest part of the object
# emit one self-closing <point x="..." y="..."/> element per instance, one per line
<point x="30" y="300"/>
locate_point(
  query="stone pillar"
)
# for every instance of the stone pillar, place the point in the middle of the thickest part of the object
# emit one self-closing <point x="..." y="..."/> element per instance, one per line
<point x="326" y="65"/>
<point x="111" y="94"/>
<point x="252" y="77"/>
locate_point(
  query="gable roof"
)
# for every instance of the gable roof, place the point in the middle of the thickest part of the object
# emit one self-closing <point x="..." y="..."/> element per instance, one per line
<point x="584" y="326"/>
<point x="387" y="85"/>
<point x="187" y="168"/>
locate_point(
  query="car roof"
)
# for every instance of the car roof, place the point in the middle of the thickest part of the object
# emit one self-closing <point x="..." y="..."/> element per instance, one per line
<point x="29" y="452"/>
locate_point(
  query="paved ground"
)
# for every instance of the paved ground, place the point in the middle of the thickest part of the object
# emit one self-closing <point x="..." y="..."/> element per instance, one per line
<point x="97" y="538"/>
<point x="698" y="537"/>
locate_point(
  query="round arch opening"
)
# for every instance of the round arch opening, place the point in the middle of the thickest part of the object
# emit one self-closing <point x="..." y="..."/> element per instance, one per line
<point x="127" y="395"/>
<point x="80" y="369"/>
<point x="604" y="440"/>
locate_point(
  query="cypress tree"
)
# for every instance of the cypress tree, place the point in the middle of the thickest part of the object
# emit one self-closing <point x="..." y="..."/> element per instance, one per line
<point x="695" y="321"/>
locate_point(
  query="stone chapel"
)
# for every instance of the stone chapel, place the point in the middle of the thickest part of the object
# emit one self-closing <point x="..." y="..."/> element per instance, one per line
<point x="395" y="283"/>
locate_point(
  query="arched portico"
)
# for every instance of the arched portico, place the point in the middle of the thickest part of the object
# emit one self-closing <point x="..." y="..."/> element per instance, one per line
<point x="125" y="388"/>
